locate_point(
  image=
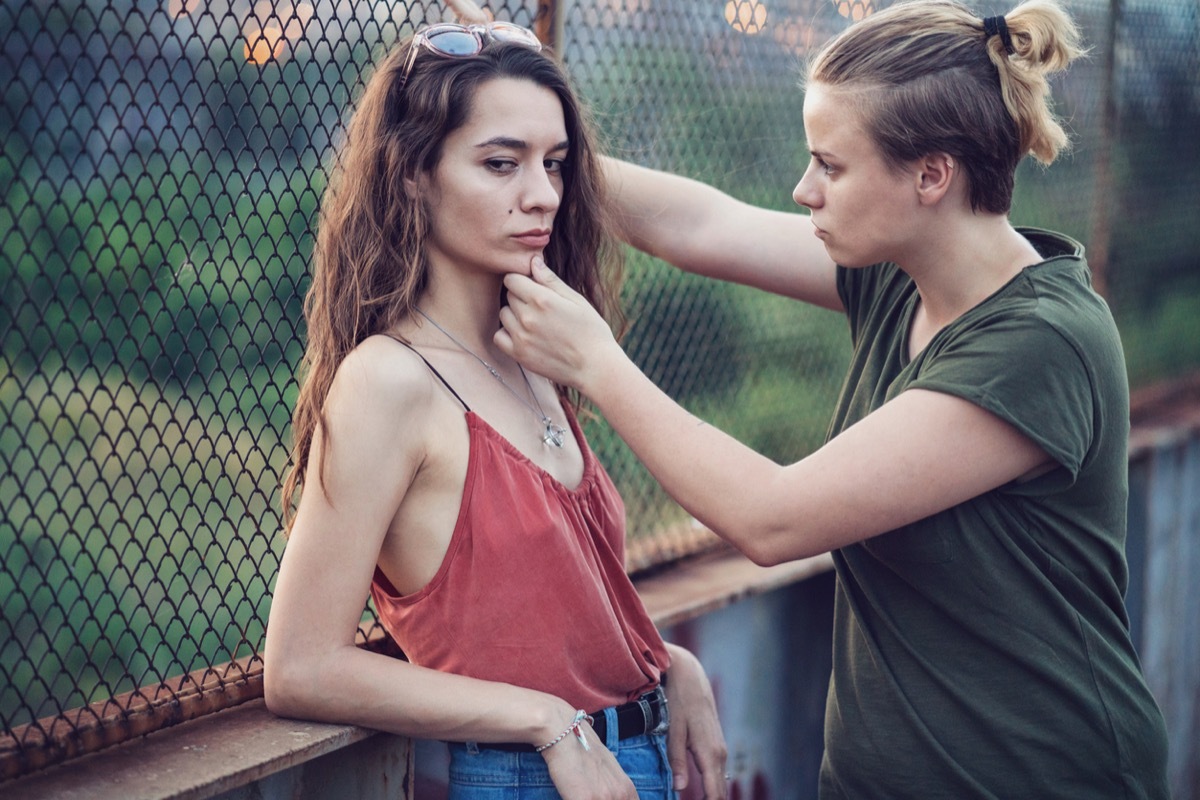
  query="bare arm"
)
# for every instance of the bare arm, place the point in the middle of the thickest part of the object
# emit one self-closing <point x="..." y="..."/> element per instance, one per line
<point x="313" y="669"/>
<point x="694" y="726"/>
<point x="705" y="231"/>
<point x="921" y="453"/>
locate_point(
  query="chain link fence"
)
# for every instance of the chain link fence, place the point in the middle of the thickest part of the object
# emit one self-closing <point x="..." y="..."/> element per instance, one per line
<point x="161" y="168"/>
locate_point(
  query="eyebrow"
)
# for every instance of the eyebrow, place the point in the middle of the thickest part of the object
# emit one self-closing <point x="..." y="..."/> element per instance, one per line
<point x="519" y="144"/>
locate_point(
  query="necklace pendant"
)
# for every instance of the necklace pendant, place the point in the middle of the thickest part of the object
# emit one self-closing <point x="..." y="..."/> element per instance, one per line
<point x="555" y="435"/>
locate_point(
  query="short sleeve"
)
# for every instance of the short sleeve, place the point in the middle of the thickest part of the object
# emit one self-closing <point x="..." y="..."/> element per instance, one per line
<point x="1023" y="370"/>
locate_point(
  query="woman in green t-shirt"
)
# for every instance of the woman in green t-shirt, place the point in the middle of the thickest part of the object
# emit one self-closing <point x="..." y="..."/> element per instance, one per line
<point x="974" y="485"/>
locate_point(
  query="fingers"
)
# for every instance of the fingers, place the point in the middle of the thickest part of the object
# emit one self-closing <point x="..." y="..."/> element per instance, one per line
<point x="520" y="287"/>
<point x="540" y="286"/>
<point x="716" y="787"/>
<point x="677" y="755"/>
<point x="467" y="11"/>
<point x="593" y="774"/>
<point x="708" y="753"/>
<point x="523" y="289"/>
<point x="712" y="759"/>
<point x="695" y="729"/>
<point x="521" y="294"/>
<point x="502" y="338"/>
<point x="515" y="337"/>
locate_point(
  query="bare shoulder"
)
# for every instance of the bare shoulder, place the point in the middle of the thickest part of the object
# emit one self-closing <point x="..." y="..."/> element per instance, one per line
<point x="382" y="381"/>
<point x="380" y="368"/>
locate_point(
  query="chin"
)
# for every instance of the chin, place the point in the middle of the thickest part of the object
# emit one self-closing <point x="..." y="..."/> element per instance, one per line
<point x="849" y="260"/>
<point x="517" y="266"/>
<point x="850" y="263"/>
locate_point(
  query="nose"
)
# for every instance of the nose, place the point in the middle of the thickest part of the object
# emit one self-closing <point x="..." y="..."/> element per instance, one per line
<point x="806" y="192"/>
<point x="542" y="190"/>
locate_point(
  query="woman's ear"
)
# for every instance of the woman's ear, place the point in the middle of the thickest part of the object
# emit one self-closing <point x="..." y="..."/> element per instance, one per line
<point x="935" y="176"/>
<point x="413" y="185"/>
<point x="417" y="184"/>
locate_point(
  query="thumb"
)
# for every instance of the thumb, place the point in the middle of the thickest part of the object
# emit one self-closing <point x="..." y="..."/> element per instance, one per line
<point x="542" y="273"/>
<point x="503" y="340"/>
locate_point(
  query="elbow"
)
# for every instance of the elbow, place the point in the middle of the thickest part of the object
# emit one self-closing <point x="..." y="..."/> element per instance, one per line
<point x="764" y="555"/>
<point x="285" y="693"/>
<point x="755" y="545"/>
<point x="775" y="546"/>
<point x="277" y="693"/>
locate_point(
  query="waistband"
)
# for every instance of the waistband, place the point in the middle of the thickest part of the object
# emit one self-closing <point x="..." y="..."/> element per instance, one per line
<point x="647" y="714"/>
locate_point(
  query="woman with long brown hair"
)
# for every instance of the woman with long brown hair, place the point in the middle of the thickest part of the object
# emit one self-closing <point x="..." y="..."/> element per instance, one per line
<point x="451" y="484"/>
<point x="973" y="486"/>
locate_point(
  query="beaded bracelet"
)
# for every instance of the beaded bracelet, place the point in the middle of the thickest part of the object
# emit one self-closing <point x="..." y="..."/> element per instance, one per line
<point x="580" y="717"/>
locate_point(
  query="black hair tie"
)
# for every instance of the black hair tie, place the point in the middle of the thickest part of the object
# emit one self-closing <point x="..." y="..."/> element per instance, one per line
<point x="993" y="26"/>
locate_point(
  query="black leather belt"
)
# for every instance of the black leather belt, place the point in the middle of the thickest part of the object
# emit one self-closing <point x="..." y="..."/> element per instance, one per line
<point x="647" y="714"/>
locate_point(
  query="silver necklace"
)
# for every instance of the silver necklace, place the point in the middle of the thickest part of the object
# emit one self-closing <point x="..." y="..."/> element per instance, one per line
<point x="553" y="435"/>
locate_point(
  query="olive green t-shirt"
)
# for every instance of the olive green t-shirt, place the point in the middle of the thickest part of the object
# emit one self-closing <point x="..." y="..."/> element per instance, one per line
<point x="984" y="652"/>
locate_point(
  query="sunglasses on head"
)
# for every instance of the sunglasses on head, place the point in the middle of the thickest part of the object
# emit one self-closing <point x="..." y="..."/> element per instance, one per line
<point x="452" y="40"/>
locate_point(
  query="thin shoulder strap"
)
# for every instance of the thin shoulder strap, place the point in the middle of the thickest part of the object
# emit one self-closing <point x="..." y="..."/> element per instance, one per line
<point x="433" y="370"/>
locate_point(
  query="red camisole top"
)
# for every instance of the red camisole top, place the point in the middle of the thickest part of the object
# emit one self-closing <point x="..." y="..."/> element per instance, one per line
<point x="533" y="589"/>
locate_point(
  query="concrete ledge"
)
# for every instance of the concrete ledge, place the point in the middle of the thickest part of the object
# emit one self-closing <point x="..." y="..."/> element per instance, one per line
<point x="196" y="759"/>
<point x="219" y="754"/>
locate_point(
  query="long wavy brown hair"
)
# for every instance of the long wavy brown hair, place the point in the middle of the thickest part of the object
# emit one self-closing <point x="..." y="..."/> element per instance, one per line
<point x="370" y="265"/>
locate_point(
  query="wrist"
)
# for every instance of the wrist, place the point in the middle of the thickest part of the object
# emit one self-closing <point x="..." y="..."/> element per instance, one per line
<point x="550" y="719"/>
<point x="603" y="373"/>
<point x="573" y="730"/>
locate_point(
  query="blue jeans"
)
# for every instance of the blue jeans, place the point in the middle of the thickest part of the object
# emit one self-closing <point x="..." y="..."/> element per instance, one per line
<point x="479" y="773"/>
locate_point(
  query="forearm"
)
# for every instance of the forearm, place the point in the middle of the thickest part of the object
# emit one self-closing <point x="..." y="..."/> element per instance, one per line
<point x="725" y="485"/>
<point x="706" y="232"/>
<point x="660" y="213"/>
<point x="742" y="496"/>
<point x="355" y="686"/>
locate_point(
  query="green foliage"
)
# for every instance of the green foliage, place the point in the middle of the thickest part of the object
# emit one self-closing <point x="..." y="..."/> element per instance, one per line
<point x="134" y="523"/>
<point x="763" y="368"/>
<point x="1162" y="339"/>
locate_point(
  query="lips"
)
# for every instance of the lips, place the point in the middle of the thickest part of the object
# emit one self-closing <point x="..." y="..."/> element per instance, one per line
<point x="538" y="238"/>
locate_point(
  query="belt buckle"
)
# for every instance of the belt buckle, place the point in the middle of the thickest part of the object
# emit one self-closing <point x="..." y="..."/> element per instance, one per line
<point x="664" y="715"/>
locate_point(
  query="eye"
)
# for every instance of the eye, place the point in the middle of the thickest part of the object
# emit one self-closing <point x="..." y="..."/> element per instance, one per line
<point x="825" y="167"/>
<point x="501" y="166"/>
<point x="554" y="166"/>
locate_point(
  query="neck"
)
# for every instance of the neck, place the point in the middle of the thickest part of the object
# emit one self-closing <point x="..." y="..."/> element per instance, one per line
<point x="469" y="310"/>
<point x="965" y="261"/>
